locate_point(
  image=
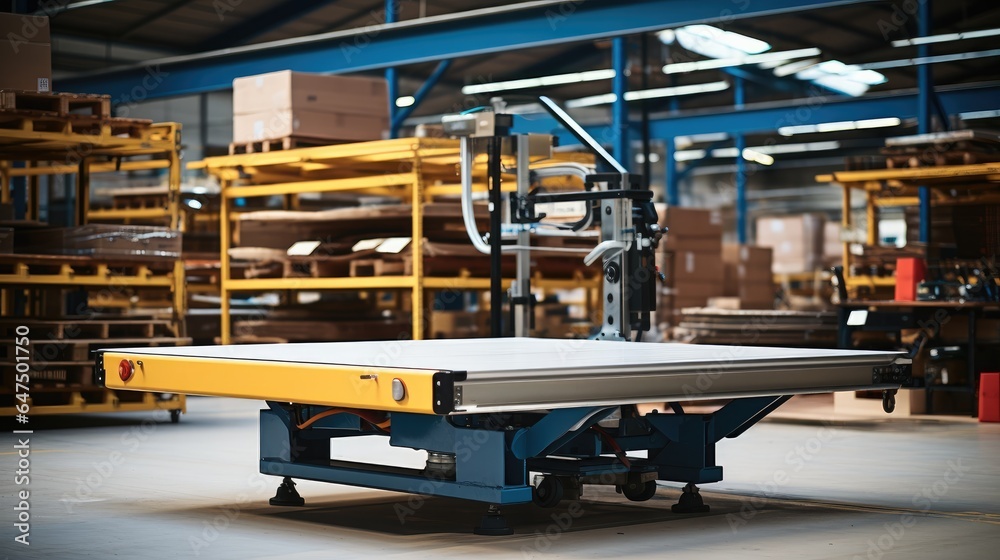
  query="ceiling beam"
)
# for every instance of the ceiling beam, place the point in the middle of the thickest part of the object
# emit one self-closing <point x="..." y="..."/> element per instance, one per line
<point x="766" y="118"/>
<point x="501" y="28"/>
<point x="261" y="24"/>
<point x="153" y="17"/>
<point x="338" y="24"/>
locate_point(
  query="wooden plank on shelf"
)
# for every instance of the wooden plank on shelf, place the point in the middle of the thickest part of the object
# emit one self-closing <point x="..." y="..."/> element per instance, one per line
<point x="320" y="330"/>
<point x="376" y="267"/>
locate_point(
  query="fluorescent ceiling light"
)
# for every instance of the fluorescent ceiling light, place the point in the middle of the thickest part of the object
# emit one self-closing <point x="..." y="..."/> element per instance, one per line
<point x="544" y="81"/>
<point x="648" y="94"/>
<point x="742" y="60"/>
<point x="405" y="101"/>
<point x="839" y="126"/>
<point x="979" y="115"/>
<point x="851" y="79"/>
<point x="835" y="126"/>
<point x="682" y="142"/>
<point x="713" y="42"/>
<point x="689" y="155"/>
<point x="750" y="154"/>
<point x="794" y="67"/>
<point x="798" y="148"/>
<point x="929" y="60"/>
<point x="591" y="101"/>
<point x="878" y="123"/>
<point x="946" y="38"/>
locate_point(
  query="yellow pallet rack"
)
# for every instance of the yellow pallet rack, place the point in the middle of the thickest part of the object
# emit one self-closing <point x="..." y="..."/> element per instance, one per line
<point x="413" y="169"/>
<point x="896" y="187"/>
<point x="107" y="145"/>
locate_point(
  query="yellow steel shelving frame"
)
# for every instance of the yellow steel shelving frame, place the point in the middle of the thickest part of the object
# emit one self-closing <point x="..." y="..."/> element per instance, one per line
<point x="898" y="187"/>
<point x="67" y="152"/>
<point x="109" y="149"/>
<point x="412" y="169"/>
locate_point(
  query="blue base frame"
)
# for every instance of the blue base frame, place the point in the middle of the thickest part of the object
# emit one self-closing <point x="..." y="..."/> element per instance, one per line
<point x="494" y="453"/>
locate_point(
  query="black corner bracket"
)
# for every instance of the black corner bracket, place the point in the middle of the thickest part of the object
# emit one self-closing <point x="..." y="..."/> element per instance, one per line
<point x="443" y="393"/>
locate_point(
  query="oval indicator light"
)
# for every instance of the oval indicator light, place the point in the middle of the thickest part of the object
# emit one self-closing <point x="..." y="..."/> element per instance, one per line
<point x="398" y="389"/>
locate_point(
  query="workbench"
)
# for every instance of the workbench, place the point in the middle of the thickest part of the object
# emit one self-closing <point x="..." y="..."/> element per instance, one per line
<point x="894" y="316"/>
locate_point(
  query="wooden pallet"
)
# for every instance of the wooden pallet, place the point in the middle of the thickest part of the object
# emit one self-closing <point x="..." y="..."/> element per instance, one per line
<point x="277" y="144"/>
<point x="76" y="401"/>
<point x="80" y="350"/>
<point x="88" y="327"/>
<point x="932" y="159"/>
<point x="57" y="103"/>
<point x="41" y="121"/>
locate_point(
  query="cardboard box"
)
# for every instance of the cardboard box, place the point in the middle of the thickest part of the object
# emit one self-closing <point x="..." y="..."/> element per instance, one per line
<point x="356" y="95"/>
<point x="797" y="242"/>
<point x="698" y="292"/>
<point x="691" y="229"/>
<point x="746" y="265"/>
<point x="25" y="53"/>
<point x="693" y="266"/>
<point x="269" y="125"/>
<point x="833" y="247"/>
<point x="453" y="324"/>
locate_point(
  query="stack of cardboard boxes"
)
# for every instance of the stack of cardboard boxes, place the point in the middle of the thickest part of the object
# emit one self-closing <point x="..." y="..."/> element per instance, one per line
<point x="691" y="260"/>
<point x="748" y="282"/>
<point x="26" y="63"/>
<point x="309" y="106"/>
<point x="797" y="242"/>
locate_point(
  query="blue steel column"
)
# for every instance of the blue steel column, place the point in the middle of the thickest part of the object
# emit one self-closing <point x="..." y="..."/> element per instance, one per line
<point x="925" y="91"/>
<point x="619" y="109"/>
<point x="741" y="190"/>
<point x="741" y="169"/>
<point x="673" y="193"/>
<point x="425" y="89"/>
<point x="390" y="75"/>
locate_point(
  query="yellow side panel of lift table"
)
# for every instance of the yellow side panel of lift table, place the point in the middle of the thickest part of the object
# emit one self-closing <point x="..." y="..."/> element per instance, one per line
<point x="319" y="384"/>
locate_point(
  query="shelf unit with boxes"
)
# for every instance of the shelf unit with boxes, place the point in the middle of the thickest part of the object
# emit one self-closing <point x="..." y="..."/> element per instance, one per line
<point x="61" y="283"/>
<point x="414" y="173"/>
<point x="965" y="230"/>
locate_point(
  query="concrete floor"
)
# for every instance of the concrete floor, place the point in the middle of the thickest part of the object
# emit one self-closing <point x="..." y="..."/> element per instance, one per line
<point x="134" y="486"/>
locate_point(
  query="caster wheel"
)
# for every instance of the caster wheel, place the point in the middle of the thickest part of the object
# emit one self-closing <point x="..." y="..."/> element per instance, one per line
<point x="888" y="401"/>
<point x="175" y="416"/>
<point x="548" y="493"/>
<point x="639" y="491"/>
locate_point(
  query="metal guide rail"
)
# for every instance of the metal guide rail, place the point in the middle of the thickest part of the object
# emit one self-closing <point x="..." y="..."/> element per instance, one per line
<point x="530" y="405"/>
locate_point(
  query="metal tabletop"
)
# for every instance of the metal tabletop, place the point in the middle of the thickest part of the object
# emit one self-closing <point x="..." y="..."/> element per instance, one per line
<point x="512" y="374"/>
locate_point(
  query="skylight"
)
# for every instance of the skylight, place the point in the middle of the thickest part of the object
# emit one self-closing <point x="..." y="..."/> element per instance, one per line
<point x="713" y="42"/>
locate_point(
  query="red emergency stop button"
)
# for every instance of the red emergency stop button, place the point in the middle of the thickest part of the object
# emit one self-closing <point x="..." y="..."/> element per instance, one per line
<point x="125" y="370"/>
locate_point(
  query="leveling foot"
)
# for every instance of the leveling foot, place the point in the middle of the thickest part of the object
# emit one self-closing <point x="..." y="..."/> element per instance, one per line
<point x="287" y="495"/>
<point x="493" y="523"/>
<point x="690" y="501"/>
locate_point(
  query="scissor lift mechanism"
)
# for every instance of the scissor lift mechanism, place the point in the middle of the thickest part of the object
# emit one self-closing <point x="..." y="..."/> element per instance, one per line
<point x="489" y="412"/>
